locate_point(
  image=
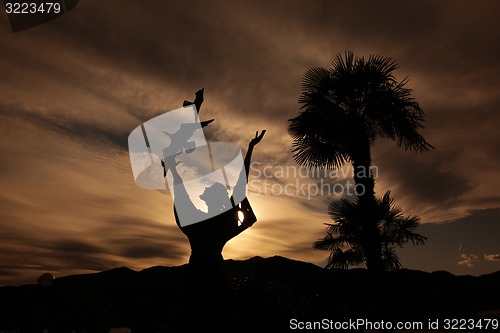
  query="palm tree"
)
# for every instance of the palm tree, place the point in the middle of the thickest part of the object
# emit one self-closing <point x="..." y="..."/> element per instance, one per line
<point x="344" y="110"/>
<point x="343" y="236"/>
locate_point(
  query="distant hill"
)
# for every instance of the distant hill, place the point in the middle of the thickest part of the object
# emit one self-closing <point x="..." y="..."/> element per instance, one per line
<point x="259" y="294"/>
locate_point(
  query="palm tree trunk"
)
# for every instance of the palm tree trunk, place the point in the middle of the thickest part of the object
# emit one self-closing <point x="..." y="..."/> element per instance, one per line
<point x="365" y="192"/>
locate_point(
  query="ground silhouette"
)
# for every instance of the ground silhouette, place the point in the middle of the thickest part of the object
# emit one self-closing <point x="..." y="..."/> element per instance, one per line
<point x="265" y="294"/>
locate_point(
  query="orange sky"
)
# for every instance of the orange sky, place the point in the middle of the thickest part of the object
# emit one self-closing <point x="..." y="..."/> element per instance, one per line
<point x="71" y="90"/>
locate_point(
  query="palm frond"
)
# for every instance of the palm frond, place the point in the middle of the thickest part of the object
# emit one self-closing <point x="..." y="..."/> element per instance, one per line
<point x="343" y="209"/>
<point x="331" y="243"/>
<point x="319" y="147"/>
<point x="315" y="80"/>
<point x="345" y="259"/>
<point x="346" y="232"/>
<point x="390" y="260"/>
<point x="406" y="231"/>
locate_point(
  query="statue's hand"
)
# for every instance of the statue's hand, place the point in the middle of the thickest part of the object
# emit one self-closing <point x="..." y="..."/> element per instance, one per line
<point x="257" y="139"/>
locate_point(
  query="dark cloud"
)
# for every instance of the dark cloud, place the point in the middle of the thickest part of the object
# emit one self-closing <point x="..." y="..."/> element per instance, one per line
<point x="78" y="254"/>
<point x="72" y="129"/>
<point x="8" y="272"/>
<point x="145" y="239"/>
<point x="184" y="44"/>
<point x="156" y="250"/>
<point x="431" y="177"/>
<point x="71" y="247"/>
<point x="142" y="225"/>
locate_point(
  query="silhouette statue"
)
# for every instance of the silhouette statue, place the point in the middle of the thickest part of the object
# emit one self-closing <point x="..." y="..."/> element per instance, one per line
<point x="221" y="223"/>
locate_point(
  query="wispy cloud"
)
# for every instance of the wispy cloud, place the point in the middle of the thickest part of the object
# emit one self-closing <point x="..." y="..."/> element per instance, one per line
<point x="467" y="260"/>
<point x="492" y="257"/>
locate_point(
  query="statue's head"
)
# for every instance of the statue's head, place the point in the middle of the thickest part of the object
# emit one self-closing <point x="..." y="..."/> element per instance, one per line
<point x="215" y="196"/>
